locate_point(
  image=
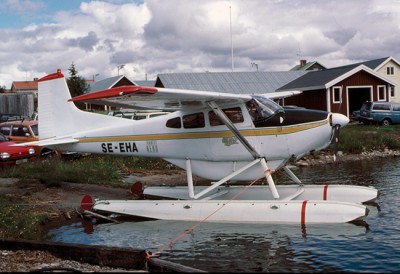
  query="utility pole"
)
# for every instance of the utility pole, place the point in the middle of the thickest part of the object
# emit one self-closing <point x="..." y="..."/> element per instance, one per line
<point x="230" y="19"/>
<point x="254" y="65"/>
<point x="120" y="67"/>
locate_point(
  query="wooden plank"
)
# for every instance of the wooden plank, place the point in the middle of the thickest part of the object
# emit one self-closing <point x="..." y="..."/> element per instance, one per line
<point x="130" y="258"/>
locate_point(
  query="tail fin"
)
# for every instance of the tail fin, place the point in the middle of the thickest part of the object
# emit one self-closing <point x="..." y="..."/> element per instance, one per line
<point x="57" y="116"/>
<point x="55" y="113"/>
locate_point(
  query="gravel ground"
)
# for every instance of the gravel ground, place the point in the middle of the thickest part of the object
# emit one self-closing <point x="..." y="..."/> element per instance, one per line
<point x="40" y="261"/>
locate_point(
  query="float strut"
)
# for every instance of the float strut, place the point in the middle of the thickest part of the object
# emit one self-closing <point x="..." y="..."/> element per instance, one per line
<point x="270" y="181"/>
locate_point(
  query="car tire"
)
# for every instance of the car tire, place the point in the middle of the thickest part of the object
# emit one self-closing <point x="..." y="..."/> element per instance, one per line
<point x="386" y="122"/>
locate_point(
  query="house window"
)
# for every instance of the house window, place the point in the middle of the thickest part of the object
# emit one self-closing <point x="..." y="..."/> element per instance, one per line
<point x="389" y="70"/>
<point x="392" y="91"/>
<point x="337" y="94"/>
<point x="381" y="93"/>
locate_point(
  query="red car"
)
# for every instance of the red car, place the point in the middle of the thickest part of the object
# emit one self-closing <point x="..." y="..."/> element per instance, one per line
<point x="10" y="155"/>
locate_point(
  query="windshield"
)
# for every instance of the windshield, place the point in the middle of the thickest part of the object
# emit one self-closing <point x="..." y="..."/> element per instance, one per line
<point x="366" y="106"/>
<point x="261" y="108"/>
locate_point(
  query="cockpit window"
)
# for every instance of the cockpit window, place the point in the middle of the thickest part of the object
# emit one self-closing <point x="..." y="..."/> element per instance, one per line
<point x="174" y="122"/>
<point x="268" y="105"/>
<point x="261" y="108"/>
<point x="234" y="114"/>
<point x="195" y="120"/>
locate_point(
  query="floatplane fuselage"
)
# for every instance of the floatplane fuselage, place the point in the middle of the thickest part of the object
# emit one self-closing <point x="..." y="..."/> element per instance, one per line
<point x="218" y="136"/>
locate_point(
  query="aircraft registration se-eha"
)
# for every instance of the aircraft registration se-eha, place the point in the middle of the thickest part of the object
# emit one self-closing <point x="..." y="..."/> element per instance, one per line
<point x="223" y="137"/>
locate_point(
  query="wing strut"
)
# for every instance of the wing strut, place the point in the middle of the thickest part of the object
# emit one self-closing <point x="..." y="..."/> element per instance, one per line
<point x="218" y="111"/>
<point x="257" y="159"/>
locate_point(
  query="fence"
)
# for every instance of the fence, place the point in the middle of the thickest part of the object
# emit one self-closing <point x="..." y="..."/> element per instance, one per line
<point x="21" y="103"/>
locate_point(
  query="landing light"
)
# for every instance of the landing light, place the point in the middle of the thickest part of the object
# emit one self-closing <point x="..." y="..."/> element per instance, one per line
<point x="31" y="151"/>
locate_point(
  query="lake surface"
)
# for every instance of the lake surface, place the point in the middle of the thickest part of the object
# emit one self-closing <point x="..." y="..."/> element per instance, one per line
<point x="372" y="247"/>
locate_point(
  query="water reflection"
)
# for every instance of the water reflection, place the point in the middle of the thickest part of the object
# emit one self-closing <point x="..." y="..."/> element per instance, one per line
<point x="220" y="247"/>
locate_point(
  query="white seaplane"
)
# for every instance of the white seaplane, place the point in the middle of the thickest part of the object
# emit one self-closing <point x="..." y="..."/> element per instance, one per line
<point x="222" y="137"/>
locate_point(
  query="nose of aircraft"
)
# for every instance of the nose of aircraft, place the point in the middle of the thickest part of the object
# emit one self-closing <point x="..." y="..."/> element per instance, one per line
<point x="339" y="119"/>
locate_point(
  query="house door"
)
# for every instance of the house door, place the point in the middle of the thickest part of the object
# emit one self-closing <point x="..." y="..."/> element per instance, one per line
<point x="357" y="96"/>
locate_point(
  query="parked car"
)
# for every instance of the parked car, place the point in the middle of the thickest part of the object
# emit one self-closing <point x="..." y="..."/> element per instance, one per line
<point x="4" y="117"/>
<point x="22" y="132"/>
<point x="11" y="155"/>
<point x="355" y="116"/>
<point x="384" y="113"/>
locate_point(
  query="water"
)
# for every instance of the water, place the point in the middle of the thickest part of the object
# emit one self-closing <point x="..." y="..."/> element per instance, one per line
<point x="374" y="247"/>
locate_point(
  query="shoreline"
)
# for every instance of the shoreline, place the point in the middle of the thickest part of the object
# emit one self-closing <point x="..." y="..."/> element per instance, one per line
<point x="324" y="157"/>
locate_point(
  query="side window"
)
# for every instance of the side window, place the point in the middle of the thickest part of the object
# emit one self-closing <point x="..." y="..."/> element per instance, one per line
<point x="19" y="131"/>
<point x="174" y="123"/>
<point x="381" y="93"/>
<point x="3" y="138"/>
<point x="381" y="107"/>
<point x="5" y="130"/>
<point x="389" y="70"/>
<point x="392" y="91"/>
<point x="234" y="114"/>
<point x="337" y="94"/>
<point x="35" y="130"/>
<point x="396" y="107"/>
<point x="195" y="120"/>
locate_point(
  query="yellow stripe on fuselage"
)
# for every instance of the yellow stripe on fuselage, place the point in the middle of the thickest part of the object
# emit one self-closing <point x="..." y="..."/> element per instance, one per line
<point x="208" y="134"/>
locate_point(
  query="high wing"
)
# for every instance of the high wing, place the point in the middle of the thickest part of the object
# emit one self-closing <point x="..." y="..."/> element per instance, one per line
<point x="166" y="99"/>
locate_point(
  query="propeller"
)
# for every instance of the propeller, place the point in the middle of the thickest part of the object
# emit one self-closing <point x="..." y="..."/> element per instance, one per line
<point x="338" y="121"/>
<point x="335" y="140"/>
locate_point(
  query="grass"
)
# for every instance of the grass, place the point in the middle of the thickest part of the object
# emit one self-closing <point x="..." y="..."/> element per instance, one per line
<point x="92" y="169"/>
<point x="17" y="222"/>
<point x="355" y="139"/>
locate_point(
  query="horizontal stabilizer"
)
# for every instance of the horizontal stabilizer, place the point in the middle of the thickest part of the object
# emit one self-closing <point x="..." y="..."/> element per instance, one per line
<point x="50" y="142"/>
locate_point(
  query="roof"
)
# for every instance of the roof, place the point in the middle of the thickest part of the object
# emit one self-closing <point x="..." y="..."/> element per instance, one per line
<point x="24" y="85"/>
<point x="233" y="82"/>
<point x="326" y="78"/>
<point x="307" y="66"/>
<point x="107" y="83"/>
<point x="372" y="64"/>
<point x="146" y="83"/>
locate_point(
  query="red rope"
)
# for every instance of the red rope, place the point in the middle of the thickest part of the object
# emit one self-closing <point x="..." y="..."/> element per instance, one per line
<point x="149" y="255"/>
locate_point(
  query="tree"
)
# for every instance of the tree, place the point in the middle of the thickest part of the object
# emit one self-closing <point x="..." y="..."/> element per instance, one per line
<point x="76" y="84"/>
<point x="2" y="89"/>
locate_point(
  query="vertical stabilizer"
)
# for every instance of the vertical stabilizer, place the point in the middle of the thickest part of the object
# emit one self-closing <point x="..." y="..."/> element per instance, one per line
<point x="55" y="112"/>
<point x="60" y="118"/>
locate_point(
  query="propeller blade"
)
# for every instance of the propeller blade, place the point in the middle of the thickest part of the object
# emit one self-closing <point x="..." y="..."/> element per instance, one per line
<point x="335" y="140"/>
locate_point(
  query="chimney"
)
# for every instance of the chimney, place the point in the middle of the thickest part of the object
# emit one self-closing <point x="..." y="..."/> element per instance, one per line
<point x="303" y="63"/>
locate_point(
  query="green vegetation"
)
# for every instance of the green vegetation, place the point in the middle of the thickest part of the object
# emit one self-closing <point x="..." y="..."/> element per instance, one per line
<point x="355" y="139"/>
<point x="92" y="169"/>
<point x="16" y="221"/>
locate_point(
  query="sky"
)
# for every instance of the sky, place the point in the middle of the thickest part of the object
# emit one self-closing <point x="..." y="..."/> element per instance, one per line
<point x="143" y="38"/>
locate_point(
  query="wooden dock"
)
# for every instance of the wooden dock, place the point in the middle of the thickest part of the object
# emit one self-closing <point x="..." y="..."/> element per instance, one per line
<point x="119" y="257"/>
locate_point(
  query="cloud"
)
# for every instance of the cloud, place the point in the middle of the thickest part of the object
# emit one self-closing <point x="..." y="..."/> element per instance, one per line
<point x="157" y="36"/>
